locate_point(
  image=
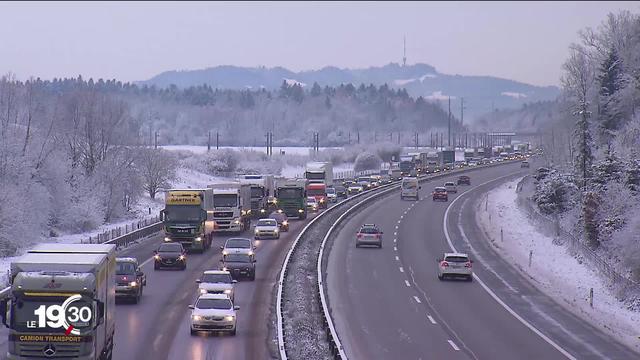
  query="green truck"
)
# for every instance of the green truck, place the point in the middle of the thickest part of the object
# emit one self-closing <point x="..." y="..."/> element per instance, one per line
<point x="184" y="219"/>
<point x="61" y="303"/>
<point x="292" y="198"/>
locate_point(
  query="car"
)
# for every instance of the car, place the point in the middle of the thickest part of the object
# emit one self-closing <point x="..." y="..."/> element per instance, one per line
<point x="464" y="180"/>
<point x="238" y="246"/>
<point x="281" y="218"/>
<point x="216" y="282"/>
<point x="332" y="195"/>
<point x="312" y="203"/>
<point x="365" y="182"/>
<point x="239" y="265"/>
<point x="524" y="164"/>
<point x="341" y="191"/>
<point x="440" y="193"/>
<point x="266" y="229"/>
<point x="355" y="189"/>
<point x="410" y="188"/>
<point x="130" y="279"/>
<point x="451" y="187"/>
<point x="213" y="312"/>
<point x="369" y="234"/>
<point x="171" y="255"/>
<point x="455" y="265"/>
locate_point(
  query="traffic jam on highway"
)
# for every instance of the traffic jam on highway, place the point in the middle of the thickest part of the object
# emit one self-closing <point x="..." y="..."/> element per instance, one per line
<point x="62" y="297"/>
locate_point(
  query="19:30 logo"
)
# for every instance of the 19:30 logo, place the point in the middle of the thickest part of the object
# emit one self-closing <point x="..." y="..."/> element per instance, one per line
<point x="65" y="316"/>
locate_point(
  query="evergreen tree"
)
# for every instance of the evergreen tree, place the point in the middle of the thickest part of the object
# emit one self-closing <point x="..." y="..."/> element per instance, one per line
<point x="316" y="90"/>
<point x="584" y="144"/>
<point x="327" y="102"/>
<point x="610" y="81"/>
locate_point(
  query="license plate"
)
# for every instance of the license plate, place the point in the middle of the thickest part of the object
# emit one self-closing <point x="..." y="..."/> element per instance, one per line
<point x="183" y="231"/>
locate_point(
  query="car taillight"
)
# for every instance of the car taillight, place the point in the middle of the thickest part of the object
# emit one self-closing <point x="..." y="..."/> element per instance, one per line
<point x="124" y="278"/>
<point x="467" y="265"/>
<point x="444" y="264"/>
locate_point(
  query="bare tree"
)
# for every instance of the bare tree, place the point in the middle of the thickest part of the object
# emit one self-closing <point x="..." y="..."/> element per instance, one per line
<point x="157" y="168"/>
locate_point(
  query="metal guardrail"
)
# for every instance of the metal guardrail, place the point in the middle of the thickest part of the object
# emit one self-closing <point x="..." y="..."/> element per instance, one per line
<point x="563" y="237"/>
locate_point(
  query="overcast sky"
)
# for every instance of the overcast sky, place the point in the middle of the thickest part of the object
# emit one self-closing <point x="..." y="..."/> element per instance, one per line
<point x="134" y="41"/>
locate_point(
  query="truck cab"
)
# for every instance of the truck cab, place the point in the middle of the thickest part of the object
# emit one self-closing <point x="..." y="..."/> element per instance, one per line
<point x="184" y="218"/>
<point x="231" y="207"/>
<point x="319" y="192"/>
<point x="292" y="199"/>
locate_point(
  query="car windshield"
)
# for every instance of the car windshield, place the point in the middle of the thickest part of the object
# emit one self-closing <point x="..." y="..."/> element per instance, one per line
<point x="219" y="304"/>
<point x="238" y="243"/>
<point x="440" y="190"/>
<point x="125" y="268"/>
<point x="311" y="200"/>
<point x="457" y="259"/>
<point x="331" y="191"/>
<point x="409" y="185"/>
<point x="369" y="230"/>
<point x="278" y="216"/>
<point x="449" y="184"/>
<point x="241" y="258"/>
<point x="174" y="247"/>
<point x="177" y="213"/>
<point x="339" y="188"/>
<point x="267" y="222"/>
<point x="216" y="278"/>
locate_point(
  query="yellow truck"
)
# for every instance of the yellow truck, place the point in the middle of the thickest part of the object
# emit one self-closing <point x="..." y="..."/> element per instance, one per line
<point x="185" y="219"/>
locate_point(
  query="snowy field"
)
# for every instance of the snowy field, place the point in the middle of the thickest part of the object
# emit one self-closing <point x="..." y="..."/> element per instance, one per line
<point x="553" y="269"/>
<point x="276" y="150"/>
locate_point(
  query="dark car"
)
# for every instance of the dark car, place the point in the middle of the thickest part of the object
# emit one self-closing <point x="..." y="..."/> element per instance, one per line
<point x="524" y="164"/>
<point x="129" y="279"/>
<point x="171" y="255"/>
<point x="281" y="218"/>
<point x="341" y="191"/>
<point x="440" y="193"/>
<point x="464" y="180"/>
<point x="239" y="265"/>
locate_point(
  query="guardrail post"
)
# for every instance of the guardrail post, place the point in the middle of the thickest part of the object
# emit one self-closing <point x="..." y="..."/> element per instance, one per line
<point x="591" y="297"/>
<point x="502" y="237"/>
<point x="530" y="257"/>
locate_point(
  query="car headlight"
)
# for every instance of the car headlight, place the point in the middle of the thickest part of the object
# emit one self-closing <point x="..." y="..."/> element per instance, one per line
<point x="196" y="317"/>
<point x="181" y="257"/>
<point x="133" y="283"/>
<point x="166" y="239"/>
<point x="157" y="257"/>
<point x="228" y="291"/>
<point x="250" y="252"/>
<point x="322" y="200"/>
<point x="237" y="222"/>
<point x="277" y="230"/>
<point x="203" y="291"/>
<point x="285" y="223"/>
<point x="198" y="238"/>
<point x="225" y="253"/>
<point x="263" y="211"/>
<point x="300" y="211"/>
<point x="229" y="318"/>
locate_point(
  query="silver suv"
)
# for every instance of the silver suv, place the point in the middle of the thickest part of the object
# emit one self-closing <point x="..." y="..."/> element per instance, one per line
<point x="369" y="234"/>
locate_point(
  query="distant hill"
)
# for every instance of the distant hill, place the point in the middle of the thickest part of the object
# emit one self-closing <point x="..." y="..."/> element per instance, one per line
<point x="481" y="93"/>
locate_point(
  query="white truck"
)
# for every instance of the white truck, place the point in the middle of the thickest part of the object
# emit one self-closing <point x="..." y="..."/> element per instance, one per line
<point x="262" y="187"/>
<point x="230" y="206"/>
<point x="409" y="188"/>
<point x="319" y="172"/>
<point x="62" y="303"/>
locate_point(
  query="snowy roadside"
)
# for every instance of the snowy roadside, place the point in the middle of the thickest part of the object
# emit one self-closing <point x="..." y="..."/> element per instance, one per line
<point x="553" y="269"/>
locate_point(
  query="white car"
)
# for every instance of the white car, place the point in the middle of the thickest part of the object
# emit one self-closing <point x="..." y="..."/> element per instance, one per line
<point x="331" y="195"/>
<point x="267" y="228"/>
<point x="355" y="189"/>
<point x="451" y="187"/>
<point x="216" y="282"/>
<point x="213" y="312"/>
<point x="238" y="246"/>
<point x="312" y="203"/>
<point x="455" y="265"/>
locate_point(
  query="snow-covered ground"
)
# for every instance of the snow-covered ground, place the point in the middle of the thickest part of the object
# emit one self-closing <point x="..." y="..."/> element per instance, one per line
<point x="197" y="149"/>
<point x="553" y="269"/>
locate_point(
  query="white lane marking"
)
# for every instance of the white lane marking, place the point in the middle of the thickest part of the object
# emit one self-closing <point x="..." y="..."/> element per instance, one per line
<point x="398" y="222"/>
<point x="417" y="299"/>
<point x="401" y="216"/>
<point x="397" y="258"/>
<point x="487" y="289"/>
<point x="146" y="261"/>
<point x="453" y="345"/>
<point x="395" y="248"/>
<point x="395" y="240"/>
<point x="432" y="320"/>
<point x="395" y="233"/>
<point x="401" y="269"/>
<point x="407" y="282"/>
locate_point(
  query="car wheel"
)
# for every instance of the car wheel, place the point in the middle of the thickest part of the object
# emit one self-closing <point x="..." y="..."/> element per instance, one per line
<point x="184" y="267"/>
<point x="380" y="246"/>
<point x="233" y="332"/>
<point x="278" y="237"/>
<point x="357" y="245"/>
<point x="156" y="267"/>
<point x="470" y="278"/>
<point x="193" y="332"/>
<point x="440" y="277"/>
<point x="136" y="299"/>
<point x="253" y="276"/>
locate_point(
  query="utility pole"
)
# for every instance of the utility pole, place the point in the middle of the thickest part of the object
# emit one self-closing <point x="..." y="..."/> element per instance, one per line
<point x="209" y="142"/>
<point x="461" y="110"/>
<point x="449" y="133"/>
<point x="217" y="140"/>
<point x="156" y="140"/>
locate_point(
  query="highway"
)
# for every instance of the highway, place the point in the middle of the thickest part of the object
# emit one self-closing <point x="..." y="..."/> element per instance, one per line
<point x="388" y="303"/>
<point x="158" y="327"/>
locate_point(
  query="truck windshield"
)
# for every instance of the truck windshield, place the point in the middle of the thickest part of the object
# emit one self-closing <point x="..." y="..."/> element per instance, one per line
<point x="314" y="192"/>
<point x="257" y="192"/>
<point x="217" y="278"/>
<point x="314" y="175"/>
<point x="289" y="193"/>
<point x="225" y="200"/>
<point x="177" y="213"/>
<point x="125" y="268"/>
<point x="24" y="312"/>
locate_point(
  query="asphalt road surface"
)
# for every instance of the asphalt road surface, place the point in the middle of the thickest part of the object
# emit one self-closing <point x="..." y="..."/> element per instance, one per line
<point x="388" y="303"/>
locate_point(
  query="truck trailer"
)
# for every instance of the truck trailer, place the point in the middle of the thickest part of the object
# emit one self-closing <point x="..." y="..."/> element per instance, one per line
<point x="319" y="172"/>
<point x="61" y="303"/>
<point x="261" y="190"/>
